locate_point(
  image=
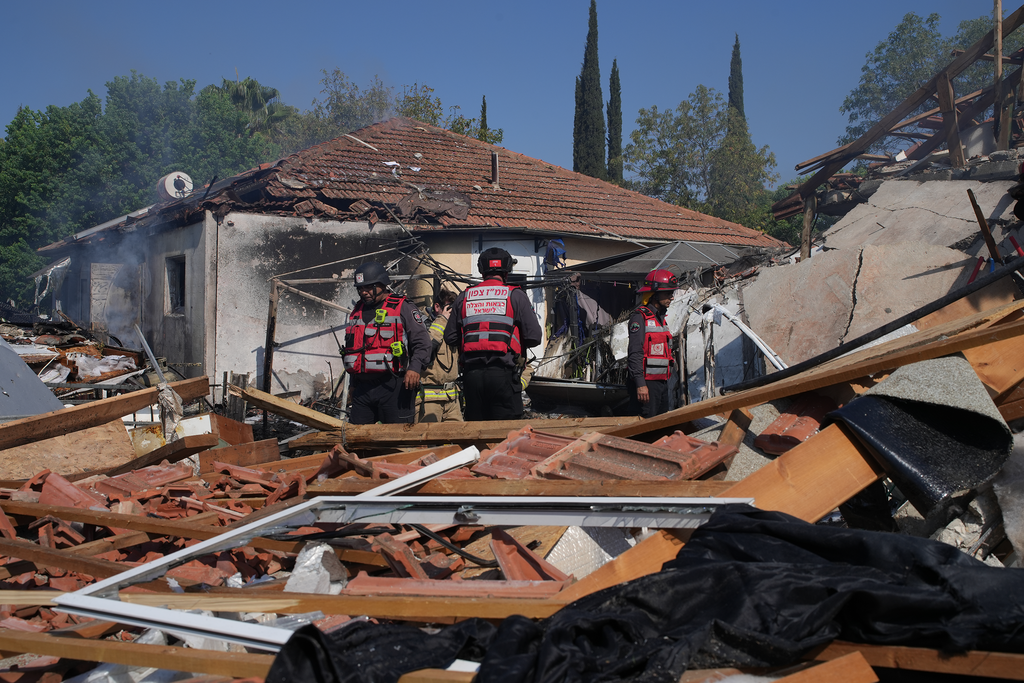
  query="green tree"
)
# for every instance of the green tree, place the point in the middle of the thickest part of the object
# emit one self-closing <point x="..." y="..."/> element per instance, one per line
<point x="670" y="152"/>
<point x="736" y="80"/>
<point x="614" y="125"/>
<point x="908" y="58"/>
<point x="588" y="142"/>
<point x="66" y="169"/>
<point x="260" y="104"/>
<point x="739" y="172"/>
<point x="483" y="116"/>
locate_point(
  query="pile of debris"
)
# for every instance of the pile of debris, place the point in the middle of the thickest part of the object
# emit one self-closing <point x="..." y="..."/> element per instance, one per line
<point x="193" y="534"/>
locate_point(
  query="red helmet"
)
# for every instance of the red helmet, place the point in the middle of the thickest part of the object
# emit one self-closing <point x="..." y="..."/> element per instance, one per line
<point x="659" y="279"/>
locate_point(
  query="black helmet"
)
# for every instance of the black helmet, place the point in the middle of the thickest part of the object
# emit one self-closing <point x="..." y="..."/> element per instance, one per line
<point x="371" y="273"/>
<point x="495" y="260"/>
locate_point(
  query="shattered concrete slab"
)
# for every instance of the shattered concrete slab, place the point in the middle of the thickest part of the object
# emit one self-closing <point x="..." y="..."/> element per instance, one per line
<point x="935" y="212"/>
<point x="805" y="309"/>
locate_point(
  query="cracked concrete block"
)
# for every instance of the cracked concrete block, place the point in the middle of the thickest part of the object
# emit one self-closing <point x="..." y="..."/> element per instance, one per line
<point x="897" y="279"/>
<point x="936" y="212"/>
<point x="802" y="310"/>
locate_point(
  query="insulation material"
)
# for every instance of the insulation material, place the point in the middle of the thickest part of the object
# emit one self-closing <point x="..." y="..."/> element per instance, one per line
<point x="317" y="570"/>
<point x="1009" y="489"/>
<point x="933" y="428"/>
<point x="582" y="550"/>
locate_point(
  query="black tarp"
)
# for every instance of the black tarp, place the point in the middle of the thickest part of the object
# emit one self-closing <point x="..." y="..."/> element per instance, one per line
<point x="750" y="588"/>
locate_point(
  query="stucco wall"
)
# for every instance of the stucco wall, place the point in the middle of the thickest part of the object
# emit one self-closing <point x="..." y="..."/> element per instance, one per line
<point x="251" y="249"/>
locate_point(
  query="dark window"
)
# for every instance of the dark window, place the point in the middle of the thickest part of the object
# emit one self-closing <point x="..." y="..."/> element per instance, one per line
<point x="176" y="285"/>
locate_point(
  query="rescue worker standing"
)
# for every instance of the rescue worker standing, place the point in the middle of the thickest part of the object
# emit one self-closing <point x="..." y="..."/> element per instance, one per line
<point x="493" y="324"/>
<point x="438" y="400"/>
<point x="649" y="358"/>
<point x="386" y="349"/>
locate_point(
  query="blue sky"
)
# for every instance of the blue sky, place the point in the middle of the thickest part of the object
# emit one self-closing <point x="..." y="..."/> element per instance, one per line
<point x="800" y="58"/>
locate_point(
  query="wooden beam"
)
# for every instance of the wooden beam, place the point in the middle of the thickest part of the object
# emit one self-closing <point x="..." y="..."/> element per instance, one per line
<point x="234" y="664"/>
<point x="292" y="411"/>
<point x="532" y="487"/>
<point x="408" y="607"/>
<point x="949" y="119"/>
<point x="810" y="206"/>
<point x="67" y="420"/>
<point x="437" y="676"/>
<point x="819" y="378"/>
<point x="915" y="100"/>
<point x="972" y="663"/>
<point x="244" y="455"/>
<point x="174" y="451"/>
<point x="851" y="668"/>
<point x="990" y="242"/>
<point x="489" y="431"/>
<point x="49" y="557"/>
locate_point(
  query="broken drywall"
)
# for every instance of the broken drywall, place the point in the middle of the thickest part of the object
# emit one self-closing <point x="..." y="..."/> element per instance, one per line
<point x="936" y="212"/>
<point x="805" y="309"/>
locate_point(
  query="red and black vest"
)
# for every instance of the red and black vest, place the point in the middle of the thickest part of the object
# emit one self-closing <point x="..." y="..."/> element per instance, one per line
<point x="657" y="345"/>
<point x="369" y="346"/>
<point x="488" y="323"/>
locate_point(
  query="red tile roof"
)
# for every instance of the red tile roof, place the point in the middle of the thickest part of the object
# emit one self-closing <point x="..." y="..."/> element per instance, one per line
<point x="531" y="194"/>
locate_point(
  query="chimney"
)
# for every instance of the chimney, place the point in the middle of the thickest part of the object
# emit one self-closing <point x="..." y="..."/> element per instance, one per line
<point x="494" y="169"/>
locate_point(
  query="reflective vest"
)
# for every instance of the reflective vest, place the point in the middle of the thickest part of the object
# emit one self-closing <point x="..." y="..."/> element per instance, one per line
<point x="370" y="346"/>
<point x="657" y="345"/>
<point x="447" y="391"/>
<point x="487" y="320"/>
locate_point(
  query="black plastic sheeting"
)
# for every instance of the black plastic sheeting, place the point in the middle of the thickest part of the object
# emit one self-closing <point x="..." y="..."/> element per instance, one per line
<point x="931" y="452"/>
<point x="750" y="588"/>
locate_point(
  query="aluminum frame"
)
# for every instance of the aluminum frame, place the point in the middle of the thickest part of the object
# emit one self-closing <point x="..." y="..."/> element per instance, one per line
<point x="100" y="600"/>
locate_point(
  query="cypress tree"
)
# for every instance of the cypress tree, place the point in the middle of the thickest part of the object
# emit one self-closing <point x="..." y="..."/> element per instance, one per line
<point x="483" y="118"/>
<point x="614" y="125"/>
<point x="736" y="80"/>
<point x="588" y="143"/>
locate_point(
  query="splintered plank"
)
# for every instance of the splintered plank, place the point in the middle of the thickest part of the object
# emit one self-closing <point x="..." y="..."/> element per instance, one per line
<point x="1004" y="665"/>
<point x="292" y="411"/>
<point x="234" y="664"/>
<point x="486" y="431"/>
<point x="808" y="482"/>
<point x="437" y="676"/>
<point x="819" y="378"/>
<point x="412" y="607"/>
<point x="172" y="452"/>
<point x="77" y="418"/>
<point x="535" y="487"/>
<point x="48" y="557"/>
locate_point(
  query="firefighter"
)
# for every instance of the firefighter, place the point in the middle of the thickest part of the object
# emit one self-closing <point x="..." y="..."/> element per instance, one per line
<point x="493" y="324"/>
<point x="438" y="400"/>
<point x="386" y="349"/>
<point x="650" y="345"/>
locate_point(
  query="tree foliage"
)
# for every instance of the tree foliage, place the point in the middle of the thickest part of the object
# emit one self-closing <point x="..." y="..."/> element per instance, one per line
<point x="260" y="104"/>
<point x="914" y="51"/>
<point x="589" y="131"/>
<point x="614" y="125"/>
<point x="345" y="107"/>
<point x="736" y="80"/>
<point x="699" y="155"/>
<point x="66" y="169"/>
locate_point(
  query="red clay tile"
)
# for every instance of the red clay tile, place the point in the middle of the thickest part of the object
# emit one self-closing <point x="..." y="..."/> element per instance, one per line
<point x="16" y="624"/>
<point x="599" y="456"/>
<point x="797" y="424"/>
<point x="516" y="456"/>
<point x="59" y="491"/>
<point x="399" y="556"/>
<point x="519" y="563"/>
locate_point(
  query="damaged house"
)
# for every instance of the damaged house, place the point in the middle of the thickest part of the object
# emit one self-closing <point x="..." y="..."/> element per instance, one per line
<point x="195" y="272"/>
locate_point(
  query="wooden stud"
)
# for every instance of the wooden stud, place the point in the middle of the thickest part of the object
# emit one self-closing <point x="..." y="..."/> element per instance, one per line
<point x="972" y="663"/>
<point x="77" y="418"/>
<point x="235" y="664"/>
<point x="292" y="411"/>
<point x="851" y="668"/>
